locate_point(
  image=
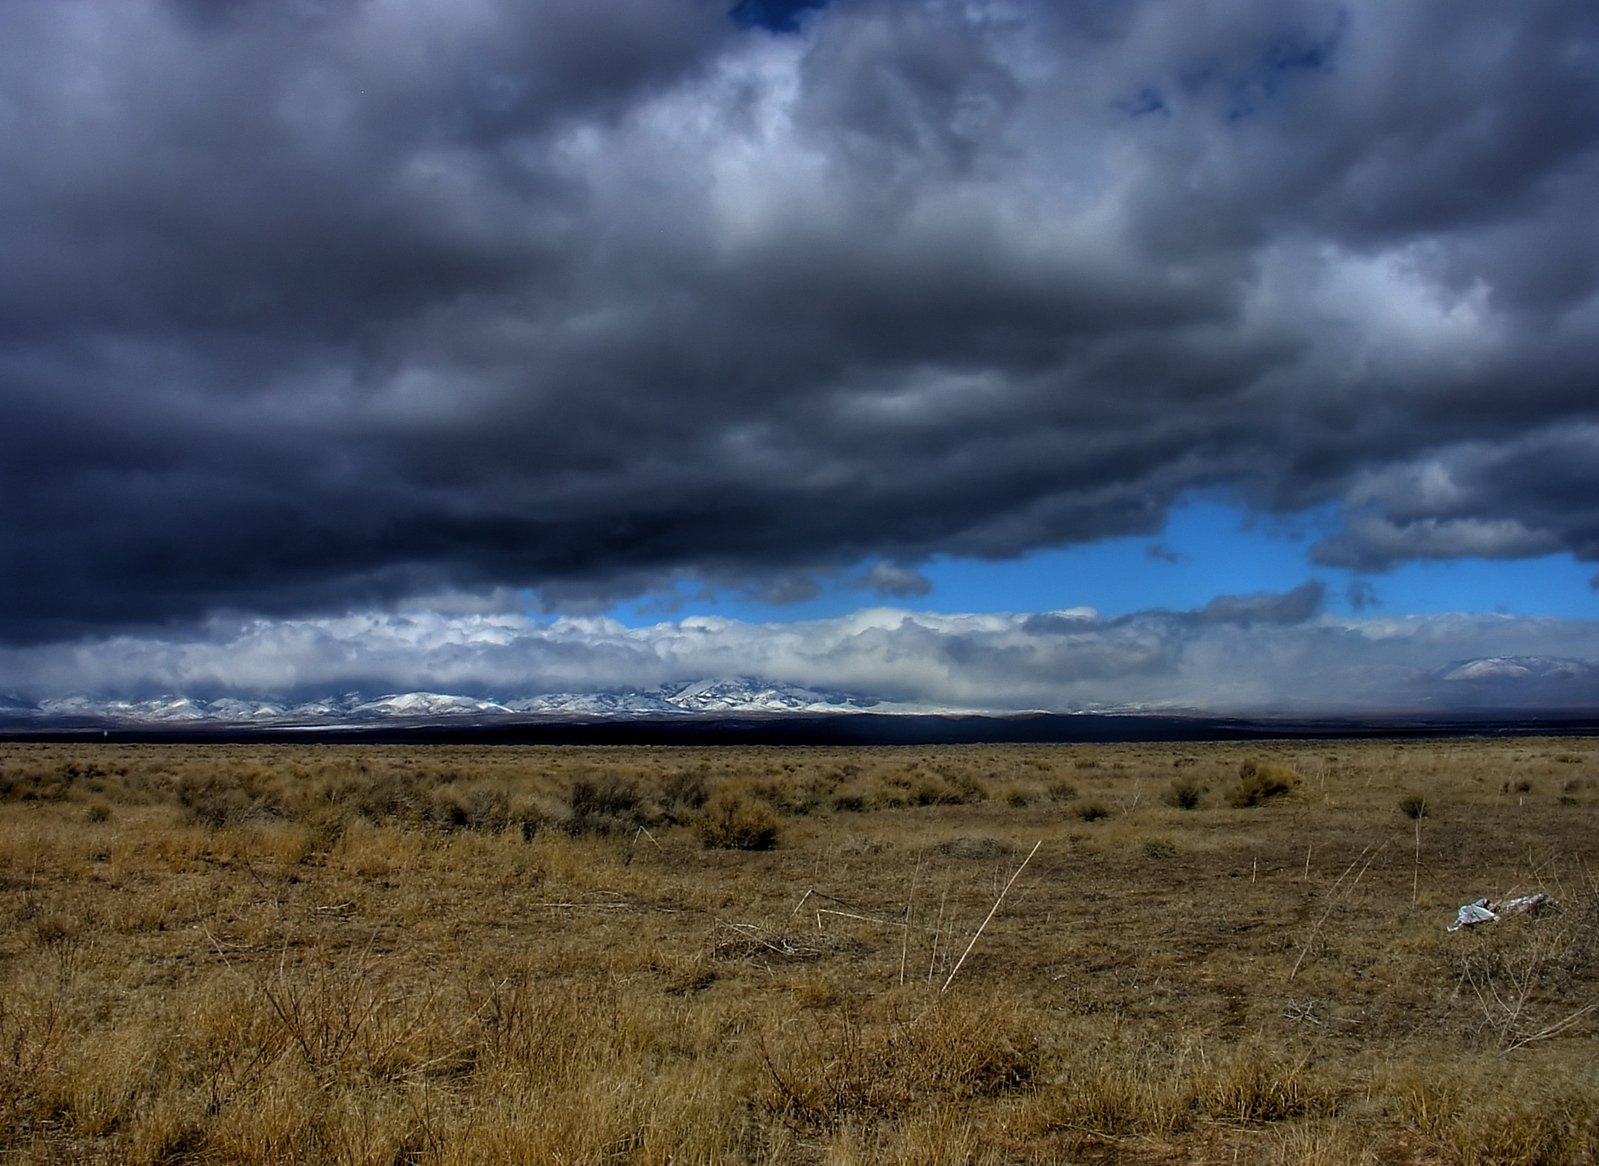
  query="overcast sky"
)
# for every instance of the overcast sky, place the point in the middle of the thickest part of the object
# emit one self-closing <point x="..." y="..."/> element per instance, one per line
<point x="585" y="320"/>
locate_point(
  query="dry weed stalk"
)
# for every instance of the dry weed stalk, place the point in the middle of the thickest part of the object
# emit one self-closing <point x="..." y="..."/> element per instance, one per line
<point x="989" y="917"/>
<point x="1332" y="901"/>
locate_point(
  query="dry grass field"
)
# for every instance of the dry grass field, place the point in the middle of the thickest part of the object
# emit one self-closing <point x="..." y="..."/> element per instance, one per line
<point x="354" y="954"/>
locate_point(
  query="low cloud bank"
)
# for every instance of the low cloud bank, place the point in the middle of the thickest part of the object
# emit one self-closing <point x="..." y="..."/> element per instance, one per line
<point x="1237" y="653"/>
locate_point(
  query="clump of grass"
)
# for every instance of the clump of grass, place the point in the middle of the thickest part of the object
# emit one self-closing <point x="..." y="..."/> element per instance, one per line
<point x="1260" y="781"/>
<point x="1093" y="811"/>
<point x="974" y="846"/>
<point x="1414" y="806"/>
<point x="1061" y="791"/>
<point x="851" y="801"/>
<point x="1147" y="1087"/>
<point x="1160" y="848"/>
<point x="858" y="1065"/>
<point x="1491" y="1112"/>
<point x="1185" y="794"/>
<point x="734" y="820"/>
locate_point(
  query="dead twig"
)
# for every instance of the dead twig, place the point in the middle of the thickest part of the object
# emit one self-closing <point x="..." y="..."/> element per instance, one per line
<point x="1554" y="1029"/>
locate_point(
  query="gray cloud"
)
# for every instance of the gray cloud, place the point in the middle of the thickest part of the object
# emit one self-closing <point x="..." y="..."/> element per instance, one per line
<point x="309" y="308"/>
<point x="1291" y="607"/>
<point x="893" y="580"/>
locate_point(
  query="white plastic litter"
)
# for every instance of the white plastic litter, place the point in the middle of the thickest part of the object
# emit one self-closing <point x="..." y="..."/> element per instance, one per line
<point x="1526" y="905"/>
<point x="1473" y="913"/>
<point x="1487" y="911"/>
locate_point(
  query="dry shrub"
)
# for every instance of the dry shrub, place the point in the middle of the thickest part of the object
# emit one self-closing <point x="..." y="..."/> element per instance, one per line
<point x="1260" y="781"/>
<point x="214" y="802"/>
<point x="36" y="783"/>
<point x="608" y="804"/>
<point x="682" y="793"/>
<point x="735" y="820"/>
<point x="941" y="790"/>
<point x="485" y="808"/>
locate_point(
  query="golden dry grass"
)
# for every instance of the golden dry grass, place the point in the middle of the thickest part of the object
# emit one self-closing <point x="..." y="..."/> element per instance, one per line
<point x="450" y="955"/>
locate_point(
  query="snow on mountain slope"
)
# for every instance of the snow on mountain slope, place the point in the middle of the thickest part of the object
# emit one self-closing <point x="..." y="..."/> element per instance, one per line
<point x="425" y="704"/>
<point x="743" y="694"/>
<point x="594" y="703"/>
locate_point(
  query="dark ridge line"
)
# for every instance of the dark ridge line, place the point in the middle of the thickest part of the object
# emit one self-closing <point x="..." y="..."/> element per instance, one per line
<point x="796" y="729"/>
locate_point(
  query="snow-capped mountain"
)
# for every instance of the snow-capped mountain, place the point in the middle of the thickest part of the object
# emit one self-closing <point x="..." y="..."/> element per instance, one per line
<point x="167" y="708"/>
<point x="425" y="704"/>
<point x="716" y="695"/>
<point x="1516" y="682"/>
<point x="743" y="693"/>
<point x="1513" y="668"/>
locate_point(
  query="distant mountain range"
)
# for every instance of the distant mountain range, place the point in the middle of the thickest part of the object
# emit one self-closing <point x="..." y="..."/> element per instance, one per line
<point x="1484" y="686"/>
<point x="719" y="695"/>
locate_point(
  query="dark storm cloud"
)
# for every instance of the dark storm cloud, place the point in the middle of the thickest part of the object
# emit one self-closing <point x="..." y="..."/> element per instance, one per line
<point x="315" y="306"/>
